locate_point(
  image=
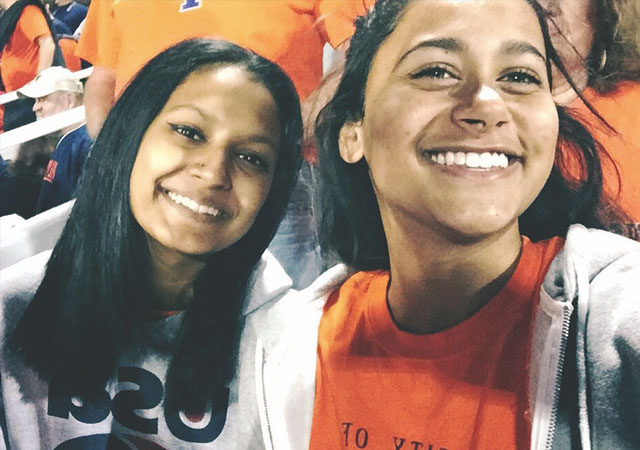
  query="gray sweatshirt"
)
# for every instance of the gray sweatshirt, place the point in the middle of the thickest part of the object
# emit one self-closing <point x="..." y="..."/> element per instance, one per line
<point x="35" y="415"/>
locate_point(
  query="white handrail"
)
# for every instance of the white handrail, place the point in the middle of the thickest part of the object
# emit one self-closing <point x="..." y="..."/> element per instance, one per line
<point x="11" y="140"/>
<point x="13" y="95"/>
<point x="35" y="235"/>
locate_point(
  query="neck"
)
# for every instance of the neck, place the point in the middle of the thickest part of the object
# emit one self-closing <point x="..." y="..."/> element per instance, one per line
<point x="436" y="284"/>
<point x="172" y="276"/>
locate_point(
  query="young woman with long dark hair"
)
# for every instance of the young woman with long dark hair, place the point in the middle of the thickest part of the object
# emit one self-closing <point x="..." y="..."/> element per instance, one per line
<point x="132" y="329"/>
<point x="488" y="309"/>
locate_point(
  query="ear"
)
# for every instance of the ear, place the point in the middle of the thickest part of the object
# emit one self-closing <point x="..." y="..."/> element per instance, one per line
<point x="350" y="142"/>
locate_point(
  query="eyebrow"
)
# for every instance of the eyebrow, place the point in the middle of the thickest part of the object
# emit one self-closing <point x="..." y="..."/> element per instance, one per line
<point x="190" y="107"/>
<point x="521" y="48"/>
<point x="261" y="139"/>
<point x="447" y="44"/>
<point x="456" y="45"/>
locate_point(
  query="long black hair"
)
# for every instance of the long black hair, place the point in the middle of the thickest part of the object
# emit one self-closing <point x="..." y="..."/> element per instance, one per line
<point x="88" y="306"/>
<point x="350" y="223"/>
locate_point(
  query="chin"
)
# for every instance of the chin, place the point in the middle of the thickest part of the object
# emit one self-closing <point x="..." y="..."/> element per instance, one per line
<point x="476" y="229"/>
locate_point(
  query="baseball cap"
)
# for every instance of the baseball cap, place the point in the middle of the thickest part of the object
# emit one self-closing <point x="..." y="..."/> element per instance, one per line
<point x="49" y="81"/>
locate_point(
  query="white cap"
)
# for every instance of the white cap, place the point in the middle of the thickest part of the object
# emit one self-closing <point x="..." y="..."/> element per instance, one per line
<point x="49" y="81"/>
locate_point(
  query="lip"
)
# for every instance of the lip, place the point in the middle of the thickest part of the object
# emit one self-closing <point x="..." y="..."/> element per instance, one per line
<point x="199" y="217"/>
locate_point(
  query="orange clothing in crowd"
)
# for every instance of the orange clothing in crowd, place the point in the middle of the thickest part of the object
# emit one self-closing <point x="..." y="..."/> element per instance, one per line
<point x="19" y="58"/>
<point x="378" y="387"/>
<point x="124" y="35"/>
<point x="68" y="47"/>
<point x="621" y="109"/>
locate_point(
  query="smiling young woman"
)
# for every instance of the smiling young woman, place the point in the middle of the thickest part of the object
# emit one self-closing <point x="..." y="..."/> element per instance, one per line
<point x="133" y="332"/>
<point x="475" y="272"/>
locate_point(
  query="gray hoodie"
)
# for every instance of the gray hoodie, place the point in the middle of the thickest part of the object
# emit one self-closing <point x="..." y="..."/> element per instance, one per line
<point x="34" y="415"/>
<point x="587" y="327"/>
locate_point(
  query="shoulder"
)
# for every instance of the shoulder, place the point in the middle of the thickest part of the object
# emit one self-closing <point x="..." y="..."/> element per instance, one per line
<point x="297" y="310"/>
<point x="31" y="13"/>
<point x="601" y="270"/>
<point x="598" y="250"/>
<point x="76" y="141"/>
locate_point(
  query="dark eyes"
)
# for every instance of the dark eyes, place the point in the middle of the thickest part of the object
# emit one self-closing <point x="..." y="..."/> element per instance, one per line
<point x="520" y="76"/>
<point x="254" y="160"/>
<point x="432" y="72"/>
<point x="248" y="158"/>
<point x="517" y="80"/>
<point x="191" y="133"/>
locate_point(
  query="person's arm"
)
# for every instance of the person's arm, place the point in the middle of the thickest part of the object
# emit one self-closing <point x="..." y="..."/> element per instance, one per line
<point x="46" y="48"/>
<point x="99" y="98"/>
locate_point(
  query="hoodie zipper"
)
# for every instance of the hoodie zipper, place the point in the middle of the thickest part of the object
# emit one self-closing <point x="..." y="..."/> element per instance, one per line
<point x="264" y="400"/>
<point x="566" y="321"/>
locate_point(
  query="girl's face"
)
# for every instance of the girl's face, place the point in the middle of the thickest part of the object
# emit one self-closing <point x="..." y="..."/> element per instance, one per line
<point x="460" y="127"/>
<point x="205" y="165"/>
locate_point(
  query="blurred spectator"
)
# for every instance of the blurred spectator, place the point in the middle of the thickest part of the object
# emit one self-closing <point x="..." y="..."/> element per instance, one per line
<point x="56" y="90"/>
<point x="69" y="12"/>
<point x="68" y="45"/>
<point x="21" y="179"/>
<point x="599" y="43"/>
<point x="28" y="47"/>
<point x="60" y="27"/>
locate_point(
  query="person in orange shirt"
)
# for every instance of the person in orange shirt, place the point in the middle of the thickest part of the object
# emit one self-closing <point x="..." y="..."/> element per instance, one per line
<point x="27" y="46"/>
<point x="119" y="37"/>
<point x="68" y="47"/>
<point x="483" y="313"/>
<point x="599" y="42"/>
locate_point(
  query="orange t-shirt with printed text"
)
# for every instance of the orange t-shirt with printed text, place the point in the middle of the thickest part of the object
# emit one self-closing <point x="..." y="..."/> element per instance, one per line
<point x="20" y="56"/>
<point x="378" y="387"/>
<point x="123" y="35"/>
<point x="621" y="110"/>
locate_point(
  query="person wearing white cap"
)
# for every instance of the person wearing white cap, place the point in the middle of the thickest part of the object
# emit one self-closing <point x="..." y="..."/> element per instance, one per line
<point x="56" y="90"/>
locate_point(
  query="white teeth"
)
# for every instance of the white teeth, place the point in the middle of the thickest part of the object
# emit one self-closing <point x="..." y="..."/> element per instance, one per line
<point x="193" y="205"/>
<point x="450" y="158"/>
<point x="485" y="160"/>
<point x="473" y="160"/>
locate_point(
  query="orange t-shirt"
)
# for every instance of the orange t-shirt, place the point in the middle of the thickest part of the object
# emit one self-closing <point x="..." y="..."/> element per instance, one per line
<point x="620" y="109"/>
<point x="124" y="35"/>
<point x="19" y="58"/>
<point x="68" y="47"/>
<point x="378" y="387"/>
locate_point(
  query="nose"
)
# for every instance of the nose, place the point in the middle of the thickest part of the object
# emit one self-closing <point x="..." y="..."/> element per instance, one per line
<point x="481" y="110"/>
<point x="36" y="105"/>
<point x="213" y="168"/>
